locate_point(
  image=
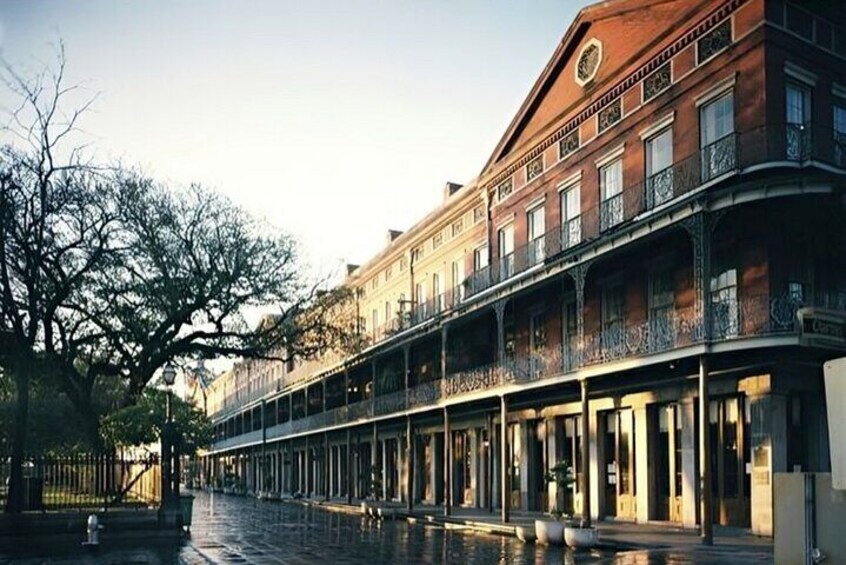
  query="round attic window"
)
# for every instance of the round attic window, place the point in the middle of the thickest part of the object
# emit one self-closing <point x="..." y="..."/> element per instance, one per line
<point x="588" y="62"/>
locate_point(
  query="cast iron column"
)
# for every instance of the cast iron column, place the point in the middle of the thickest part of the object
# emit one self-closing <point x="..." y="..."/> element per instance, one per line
<point x="505" y="488"/>
<point x="409" y="461"/>
<point x="705" y="455"/>
<point x="585" y="483"/>
<point x="447" y="465"/>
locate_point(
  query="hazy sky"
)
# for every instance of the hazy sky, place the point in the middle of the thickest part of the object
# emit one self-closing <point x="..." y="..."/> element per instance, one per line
<point x="334" y="120"/>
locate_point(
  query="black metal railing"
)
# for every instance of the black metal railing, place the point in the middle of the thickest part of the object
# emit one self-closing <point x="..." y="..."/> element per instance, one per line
<point x="85" y="481"/>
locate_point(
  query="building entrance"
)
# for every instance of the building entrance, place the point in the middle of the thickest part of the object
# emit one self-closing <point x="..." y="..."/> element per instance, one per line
<point x="729" y="429"/>
<point x="618" y="467"/>
<point x="666" y="455"/>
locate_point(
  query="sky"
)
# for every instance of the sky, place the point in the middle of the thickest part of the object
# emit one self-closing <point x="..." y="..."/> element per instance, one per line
<point x="333" y="120"/>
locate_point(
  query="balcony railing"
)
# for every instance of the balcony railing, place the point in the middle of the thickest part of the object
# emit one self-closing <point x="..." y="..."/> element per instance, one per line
<point x="776" y="144"/>
<point x="753" y="316"/>
<point x="779" y="143"/>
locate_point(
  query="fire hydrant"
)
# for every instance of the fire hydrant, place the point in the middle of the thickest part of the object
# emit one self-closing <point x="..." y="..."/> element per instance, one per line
<point x="93" y="530"/>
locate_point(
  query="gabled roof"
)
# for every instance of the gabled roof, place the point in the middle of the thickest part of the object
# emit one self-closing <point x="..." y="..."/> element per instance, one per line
<point x="624" y="27"/>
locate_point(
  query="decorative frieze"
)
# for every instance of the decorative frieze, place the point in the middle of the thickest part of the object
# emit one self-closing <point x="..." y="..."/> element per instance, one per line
<point x="657" y="82"/>
<point x="610" y="115"/>
<point x="713" y="42"/>
<point x="457" y="227"/>
<point x="504" y="189"/>
<point x="478" y="214"/>
<point x="437" y="240"/>
<point x="534" y="168"/>
<point x="569" y="144"/>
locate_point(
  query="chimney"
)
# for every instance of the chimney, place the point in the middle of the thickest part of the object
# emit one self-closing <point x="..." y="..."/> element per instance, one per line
<point x="451" y="188"/>
<point x="351" y="268"/>
<point x="392" y="235"/>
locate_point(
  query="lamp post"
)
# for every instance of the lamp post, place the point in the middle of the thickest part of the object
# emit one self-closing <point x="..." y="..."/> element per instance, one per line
<point x="170" y="510"/>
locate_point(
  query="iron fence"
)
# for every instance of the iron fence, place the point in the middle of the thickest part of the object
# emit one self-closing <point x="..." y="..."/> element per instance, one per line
<point x="85" y="481"/>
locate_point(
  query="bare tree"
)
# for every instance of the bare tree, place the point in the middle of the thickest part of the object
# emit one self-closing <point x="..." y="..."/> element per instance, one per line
<point x="55" y="226"/>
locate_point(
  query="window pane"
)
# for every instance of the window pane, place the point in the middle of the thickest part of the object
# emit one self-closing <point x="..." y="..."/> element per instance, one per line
<point x="659" y="152"/>
<point x="612" y="179"/>
<point x="717" y="119"/>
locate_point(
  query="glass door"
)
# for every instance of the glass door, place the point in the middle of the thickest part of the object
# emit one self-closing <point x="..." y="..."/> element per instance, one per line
<point x="729" y="482"/>
<point x="619" y="464"/>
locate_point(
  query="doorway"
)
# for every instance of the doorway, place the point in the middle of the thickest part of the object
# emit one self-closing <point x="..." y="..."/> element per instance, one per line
<point x="666" y="455"/>
<point x="619" y="464"/>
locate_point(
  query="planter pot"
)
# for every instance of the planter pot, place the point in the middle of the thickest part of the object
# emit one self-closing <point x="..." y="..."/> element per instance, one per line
<point x="549" y="532"/>
<point x="365" y="509"/>
<point x="525" y="534"/>
<point x="581" y="538"/>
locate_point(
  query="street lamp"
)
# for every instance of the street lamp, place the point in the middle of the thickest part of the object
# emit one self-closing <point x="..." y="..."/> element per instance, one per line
<point x="170" y="455"/>
<point x="169" y="377"/>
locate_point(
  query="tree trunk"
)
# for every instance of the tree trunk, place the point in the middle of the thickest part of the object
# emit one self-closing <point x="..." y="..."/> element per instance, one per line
<point x="15" y="499"/>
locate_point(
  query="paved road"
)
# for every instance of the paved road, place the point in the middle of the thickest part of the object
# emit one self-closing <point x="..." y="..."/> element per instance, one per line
<point x="238" y="530"/>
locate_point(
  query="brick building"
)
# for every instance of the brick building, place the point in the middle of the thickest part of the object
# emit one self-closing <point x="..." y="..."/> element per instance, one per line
<point x="643" y="281"/>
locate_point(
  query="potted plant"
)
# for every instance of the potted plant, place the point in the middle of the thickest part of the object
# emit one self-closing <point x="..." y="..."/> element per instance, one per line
<point x="551" y="532"/>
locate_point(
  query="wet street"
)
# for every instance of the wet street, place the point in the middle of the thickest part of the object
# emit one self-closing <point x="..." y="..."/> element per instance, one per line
<point x="228" y="529"/>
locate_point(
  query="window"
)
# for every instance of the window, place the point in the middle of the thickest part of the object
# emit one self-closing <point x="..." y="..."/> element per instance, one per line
<point x="571" y="220"/>
<point x="716" y="126"/>
<point x="458" y="279"/>
<point x="437" y="297"/>
<point x="480" y="258"/>
<point x="611" y="186"/>
<point x="659" y="168"/>
<point x="536" y="227"/>
<point x="840" y="136"/>
<point x="388" y="320"/>
<point x="505" y="243"/>
<point x="420" y="300"/>
<point x="375" y="321"/>
<point x="798" y="108"/>
<point x="613" y="328"/>
<point x="661" y="310"/>
<point x="724" y="305"/>
<point x="537" y="342"/>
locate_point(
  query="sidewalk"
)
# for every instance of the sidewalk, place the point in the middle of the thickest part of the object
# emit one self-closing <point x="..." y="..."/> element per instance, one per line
<point x="736" y="542"/>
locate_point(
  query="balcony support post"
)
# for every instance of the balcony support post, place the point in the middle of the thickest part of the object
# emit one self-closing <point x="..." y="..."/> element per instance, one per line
<point x="505" y="487"/>
<point x="499" y="311"/>
<point x="326" y="466"/>
<point x="707" y="529"/>
<point x="307" y="470"/>
<point x="409" y="461"/>
<point x="349" y="477"/>
<point x="585" y="483"/>
<point x="444" y="355"/>
<point x="374" y="466"/>
<point x="447" y="464"/>
<point x="406" y="365"/>
<point x="579" y="276"/>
